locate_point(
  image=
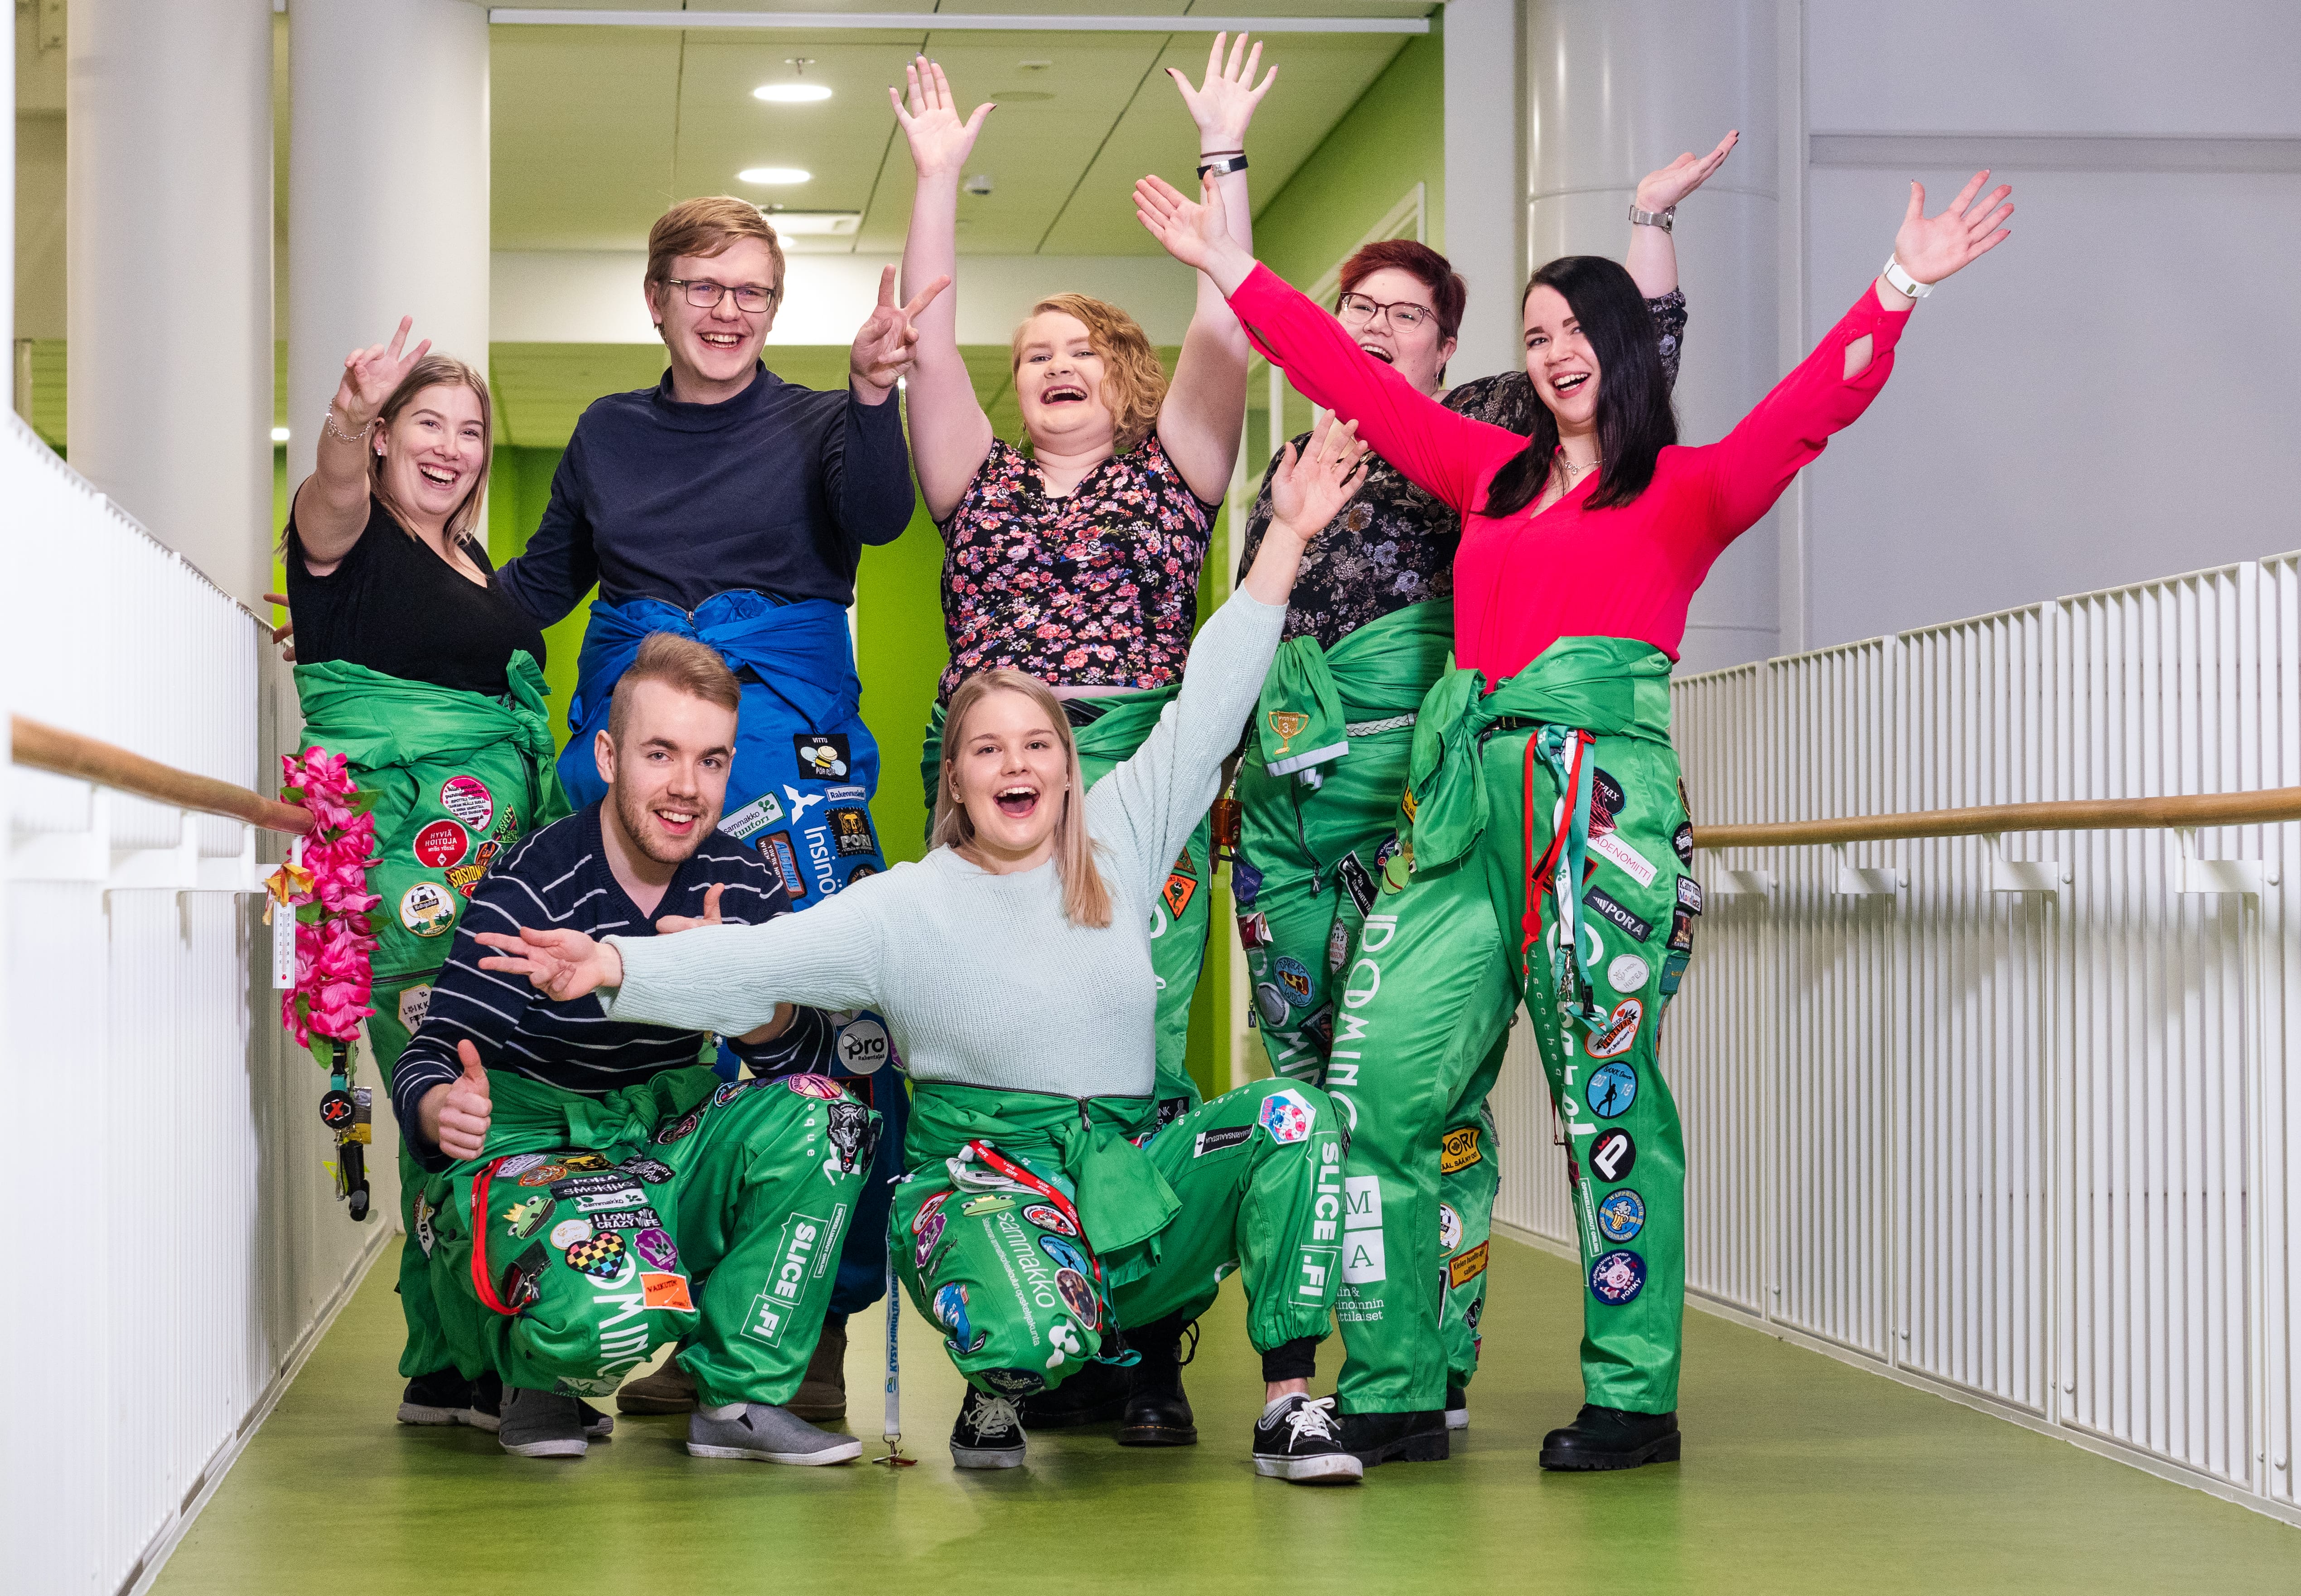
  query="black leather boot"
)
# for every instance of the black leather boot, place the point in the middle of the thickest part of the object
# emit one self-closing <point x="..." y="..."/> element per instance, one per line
<point x="1095" y="1395"/>
<point x="1157" y="1413"/>
<point x="1612" y="1438"/>
<point x="1395" y="1437"/>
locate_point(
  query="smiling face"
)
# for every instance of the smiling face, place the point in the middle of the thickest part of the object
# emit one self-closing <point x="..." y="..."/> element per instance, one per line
<point x="1560" y="360"/>
<point x="1419" y="353"/>
<point x="667" y="774"/>
<point x="714" y="351"/>
<point x="434" y="452"/>
<point x="1059" y="383"/>
<point x="1012" y="775"/>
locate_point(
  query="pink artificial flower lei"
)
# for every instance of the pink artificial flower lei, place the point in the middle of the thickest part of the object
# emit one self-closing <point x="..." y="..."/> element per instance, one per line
<point x="335" y="941"/>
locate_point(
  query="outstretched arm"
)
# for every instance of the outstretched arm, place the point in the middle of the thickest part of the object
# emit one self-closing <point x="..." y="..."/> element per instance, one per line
<point x="1199" y="424"/>
<point x="330" y="506"/>
<point x="949" y="434"/>
<point x="1652" y="257"/>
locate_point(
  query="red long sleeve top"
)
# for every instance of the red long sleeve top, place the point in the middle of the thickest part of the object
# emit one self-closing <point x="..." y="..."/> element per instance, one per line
<point x="1522" y="581"/>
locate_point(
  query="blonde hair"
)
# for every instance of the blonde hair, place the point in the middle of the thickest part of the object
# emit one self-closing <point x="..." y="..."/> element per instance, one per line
<point x="1086" y="897"/>
<point x="680" y="664"/>
<point x="439" y="370"/>
<point x="704" y="227"/>
<point x="1134" y="384"/>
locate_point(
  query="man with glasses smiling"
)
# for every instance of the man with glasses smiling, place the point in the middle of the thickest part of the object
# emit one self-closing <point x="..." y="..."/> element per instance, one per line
<point x="729" y="505"/>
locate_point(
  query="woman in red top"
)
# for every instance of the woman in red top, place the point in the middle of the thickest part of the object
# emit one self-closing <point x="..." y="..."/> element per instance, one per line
<point x="1543" y="805"/>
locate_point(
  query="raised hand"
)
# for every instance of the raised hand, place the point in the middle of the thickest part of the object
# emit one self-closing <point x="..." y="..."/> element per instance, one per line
<point x="1191" y="231"/>
<point x="283" y="634"/>
<point x="562" y="964"/>
<point x="1223" y="104"/>
<point x="371" y="374"/>
<point x="1309" y="490"/>
<point x="672" y="923"/>
<point x="456" y="1116"/>
<point x="888" y="342"/>
<point x="940" y="140"/>
<point x="1932" y="248"/>
<point x="1660" y="189"/>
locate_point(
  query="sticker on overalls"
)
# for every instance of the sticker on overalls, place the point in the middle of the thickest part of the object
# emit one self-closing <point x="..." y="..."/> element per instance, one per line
<point x="1222" y="1140"/>
<point x="1462" y="1271"/>
<point x="928" y="1238"/>
<point x="1618" y="917"/>
<point x="1254" y="931"/>
<point x="599" y="1254"/>
<point x="1681" y="843"/>
<point x="1459" y="1150"/>
<point x="1338" y="947"/>
<point x="1613" y="1088"/>
<point x="678" y="1129"/>
<point x="1618" y="1278"/>
<point x="1356" y="881"/>
<point x="1450" y="1228"/>
<point x="1182" y="884"/>
<point x="1681" y="932"/>
<point x="822" y="1088"/>
<point x="990" y="1202"/>
<point x="1045" y="1216"/>
<point x="543" y="1174"/>
<point x="523" y="1219"/>
<point x="782" y="859"/>
<point x="950" y="1310"/>
<point x="666" y="1291"/>
<point x="851" y="833"/>
<point x="1622" y="1215"/>
<point x="1287" y="1114"/>
<point x="1270" y="1005"/>
<point x="1606" y="796"/>
<point x="853" y="1134"/>
<point x="927" y="1211"/>
<point x="822" y="754"/>
<point x="1398" y="868"/>
<point x="1064" y="1255"/>
<point x="428" y="909"/>
<point x="1689" y="895"/>
<point x="752" y="818"/>
<point x="1078" y="1296"/>
<point x="1613" y="1156"/>
<point x="656" y="1248"/>
<point x="441" y="844"/>
<point x="1618" y="1033"/>
<point x="862" y="1046"/>
<point x="1245" y="882"/>
<point x="1673" y="970"/>
<point x="1293" y="979"/>
<point x="567" y="1233"/>
<point x="424" y="1237"/>
<point x="1319" y="1027"/>
<point x="1013" y="1383"/>
<point x="468" y="799"/>
<point x="1629" y="973"/>
<point x="1609" y="847"/>
<point x="655" y="1171"/>
<point x="512" y="1168"/>
<point x="414" y="1003"/>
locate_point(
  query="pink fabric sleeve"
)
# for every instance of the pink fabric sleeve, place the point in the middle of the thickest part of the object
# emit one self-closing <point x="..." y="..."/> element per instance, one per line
<point x="1450" y="455"/>
<point x="1748" y="469"/>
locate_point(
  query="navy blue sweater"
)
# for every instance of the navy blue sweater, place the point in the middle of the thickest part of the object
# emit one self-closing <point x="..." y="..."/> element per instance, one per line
<point x="776" y="491"/>
<point x="559" y="878"/>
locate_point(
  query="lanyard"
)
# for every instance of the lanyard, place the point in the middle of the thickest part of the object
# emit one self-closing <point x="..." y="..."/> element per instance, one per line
<point x="1559" y="874"/>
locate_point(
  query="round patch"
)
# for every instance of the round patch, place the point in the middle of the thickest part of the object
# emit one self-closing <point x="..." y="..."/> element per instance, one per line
<point x="862" y="1046"/>
<point x="1618" y="1277"/>
<point x="1450" y="1228"/>
<point x="568" y="1231"/>
<point x="428" y="909"/>
<point x="1050" y="1219"/>
<point x="1078" y="1296"/>
<point x="1065" y="1255"/>
<point x="543" y="1174"/>
<point x="656" y="1248"/>
<point x="441" y="844"/>
<point x="820" y="1087"/>
<point x="1623" y="1215"/>
<point x="1294" y="980"/>
<point x="683" y="1126"/>
<point x="1629" y="973"/>
<point x="1613" y="1156"/>
<point x="468" y="799"/>
<point x="599" y="1254"/>
<point x="519" y="1165"/>
<point x="927" y="1210"/>
<point x="1612" y="1089"/>
<point x="1270" y="1005"/>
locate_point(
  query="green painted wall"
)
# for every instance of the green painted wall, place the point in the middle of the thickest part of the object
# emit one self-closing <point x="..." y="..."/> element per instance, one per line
<point x="1392" y="139"/>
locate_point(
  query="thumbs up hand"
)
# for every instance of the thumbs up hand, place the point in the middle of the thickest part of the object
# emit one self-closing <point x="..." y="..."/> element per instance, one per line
<point x="456" y="1115"/>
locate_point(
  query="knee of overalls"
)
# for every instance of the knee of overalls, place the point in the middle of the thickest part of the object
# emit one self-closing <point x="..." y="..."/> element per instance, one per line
<point x="775" y="1119"/>
<point x="1009" y="1281"/>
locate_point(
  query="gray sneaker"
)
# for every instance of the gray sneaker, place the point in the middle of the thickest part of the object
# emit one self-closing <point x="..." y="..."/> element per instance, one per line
<point x="538" y="1423"/>
<point x="767" y="1434"/>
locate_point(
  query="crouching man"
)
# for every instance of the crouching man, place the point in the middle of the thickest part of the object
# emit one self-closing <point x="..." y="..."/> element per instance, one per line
<point x="595" y="1193"/>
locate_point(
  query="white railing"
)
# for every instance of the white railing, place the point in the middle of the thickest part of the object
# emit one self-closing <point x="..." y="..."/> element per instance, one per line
<point x="165" y="1152"/>
<point x="2006" y="1117"/>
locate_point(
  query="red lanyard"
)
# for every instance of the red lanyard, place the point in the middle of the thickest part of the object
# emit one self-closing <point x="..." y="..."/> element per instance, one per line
<point x="1000" y="1164"/>
<point x="1538" y="877"/>
<point x="485" y="1287"/>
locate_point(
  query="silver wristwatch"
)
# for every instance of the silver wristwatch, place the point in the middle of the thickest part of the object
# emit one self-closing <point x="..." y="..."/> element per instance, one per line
<point x="1660" y="219"/>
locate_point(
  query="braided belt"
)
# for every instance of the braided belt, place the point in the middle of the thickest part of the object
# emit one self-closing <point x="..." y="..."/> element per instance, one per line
<point x="1369" y="728"/>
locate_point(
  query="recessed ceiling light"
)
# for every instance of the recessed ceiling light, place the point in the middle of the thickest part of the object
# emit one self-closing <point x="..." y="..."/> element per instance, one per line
<point x="814" y="224"/>
<point x="791" y="94"/>
<point x="772" y="176"/>
<point x="279" y="435"/>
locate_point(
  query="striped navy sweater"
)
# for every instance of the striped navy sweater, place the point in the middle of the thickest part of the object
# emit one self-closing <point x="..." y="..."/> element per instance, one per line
<point x="557" y="879"/>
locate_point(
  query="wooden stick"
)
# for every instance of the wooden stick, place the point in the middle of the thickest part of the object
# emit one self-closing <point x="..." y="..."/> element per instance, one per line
<point x="68" y="754"/>
<point x="2085" y="814"/>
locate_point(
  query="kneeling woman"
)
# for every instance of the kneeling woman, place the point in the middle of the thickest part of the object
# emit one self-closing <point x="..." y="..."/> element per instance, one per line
<point x="1046" y="1209"/>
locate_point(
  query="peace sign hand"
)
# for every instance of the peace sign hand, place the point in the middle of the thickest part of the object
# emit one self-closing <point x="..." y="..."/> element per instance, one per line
<point x="1308" y="489"/>
<point x="562" y="964"/>
<point x="1932" y="248"/>
<point x="939" y="141"/>
<point x="372" y="374"/>
<point x="1223" y="104"/>
<point x="1660" y="189"/>
<point x="888" y="344"/>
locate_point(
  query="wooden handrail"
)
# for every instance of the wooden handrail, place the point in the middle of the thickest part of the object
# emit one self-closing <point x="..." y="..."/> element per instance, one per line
<point x="68" y="754"/>
<point x="2082" y="815"/>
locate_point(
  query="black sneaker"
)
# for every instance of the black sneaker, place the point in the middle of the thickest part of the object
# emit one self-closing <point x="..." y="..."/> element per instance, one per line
<point x="1612" y="1438"/>
<point x="1296" y="1439"/>
<point x="486" y="1410"/>
<point x="1458" y="1408"/>
<point x="1395" y="1437"/>
<point x="988" y="1433"/>
<point x="438" y="1397"/>
<point x="1158" y="1411"/>
<point x="1096" y="1395"/>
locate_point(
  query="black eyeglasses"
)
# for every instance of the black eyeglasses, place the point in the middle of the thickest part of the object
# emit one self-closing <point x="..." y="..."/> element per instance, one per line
<point x="705" y="294"/>
<point x="1402" y="313"/>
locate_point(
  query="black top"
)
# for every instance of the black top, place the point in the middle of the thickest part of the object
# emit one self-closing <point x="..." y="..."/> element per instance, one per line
<point x="775" y="491"/>
<point x="559" y="877"/>
<point x="394" y="607"/>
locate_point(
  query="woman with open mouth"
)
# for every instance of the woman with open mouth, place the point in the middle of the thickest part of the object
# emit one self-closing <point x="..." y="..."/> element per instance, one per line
<point x="1050" y="1212"/>
<point x="413" y="665"/>
<point x="1075" y="554"/>
<point x="1547" y="834"/>
<point x="1368" y="631"/>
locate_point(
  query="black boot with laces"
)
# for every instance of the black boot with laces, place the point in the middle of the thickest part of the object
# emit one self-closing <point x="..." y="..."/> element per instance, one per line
<point x="988" y="1433"/>
<point x="1158" y="1411"/>
<point x="1300" y="1440"/>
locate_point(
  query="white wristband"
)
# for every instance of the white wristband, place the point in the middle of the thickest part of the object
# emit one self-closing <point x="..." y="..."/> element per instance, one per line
<point x="1900" y="281"/>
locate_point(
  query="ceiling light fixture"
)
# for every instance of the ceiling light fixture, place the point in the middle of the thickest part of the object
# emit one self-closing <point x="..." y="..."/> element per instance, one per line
<point x="814" y="224"/>
<point x="791" y="94"/>
<point x="772" y="176"/>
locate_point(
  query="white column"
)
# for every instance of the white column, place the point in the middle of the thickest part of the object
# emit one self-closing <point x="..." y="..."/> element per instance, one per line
<point x="387" y="190"/>
<point x="1486" y="179"/>
<point x="168" y="251"/>
<point x="1617" y="87"/>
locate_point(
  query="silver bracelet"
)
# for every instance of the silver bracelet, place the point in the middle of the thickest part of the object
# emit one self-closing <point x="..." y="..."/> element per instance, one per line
<point x="327" y="425"/>
<point x="1660" y="219"/>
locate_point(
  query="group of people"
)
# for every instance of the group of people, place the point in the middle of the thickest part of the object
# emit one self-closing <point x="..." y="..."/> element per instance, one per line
<point x="645" y="1104"/>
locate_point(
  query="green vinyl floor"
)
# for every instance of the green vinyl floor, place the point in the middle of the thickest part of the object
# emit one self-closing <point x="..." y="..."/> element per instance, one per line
<point x="1800" y="1475"/>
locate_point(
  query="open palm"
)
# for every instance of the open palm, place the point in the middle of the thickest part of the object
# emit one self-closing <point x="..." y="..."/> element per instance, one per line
<point x="1660" y="189"/>
<point x="1188" y="229"/>
<point x="1223" y="104"/>
<point x="1309" y="488"/>
<point x="941" y="140"/>
<point x="372" y="374"/>
<point x="1932" y="248"/>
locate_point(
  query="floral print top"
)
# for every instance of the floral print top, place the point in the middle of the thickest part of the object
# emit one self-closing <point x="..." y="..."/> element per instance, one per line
<point x="1099" y="588"/>
<point x="1394" y="543"/>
